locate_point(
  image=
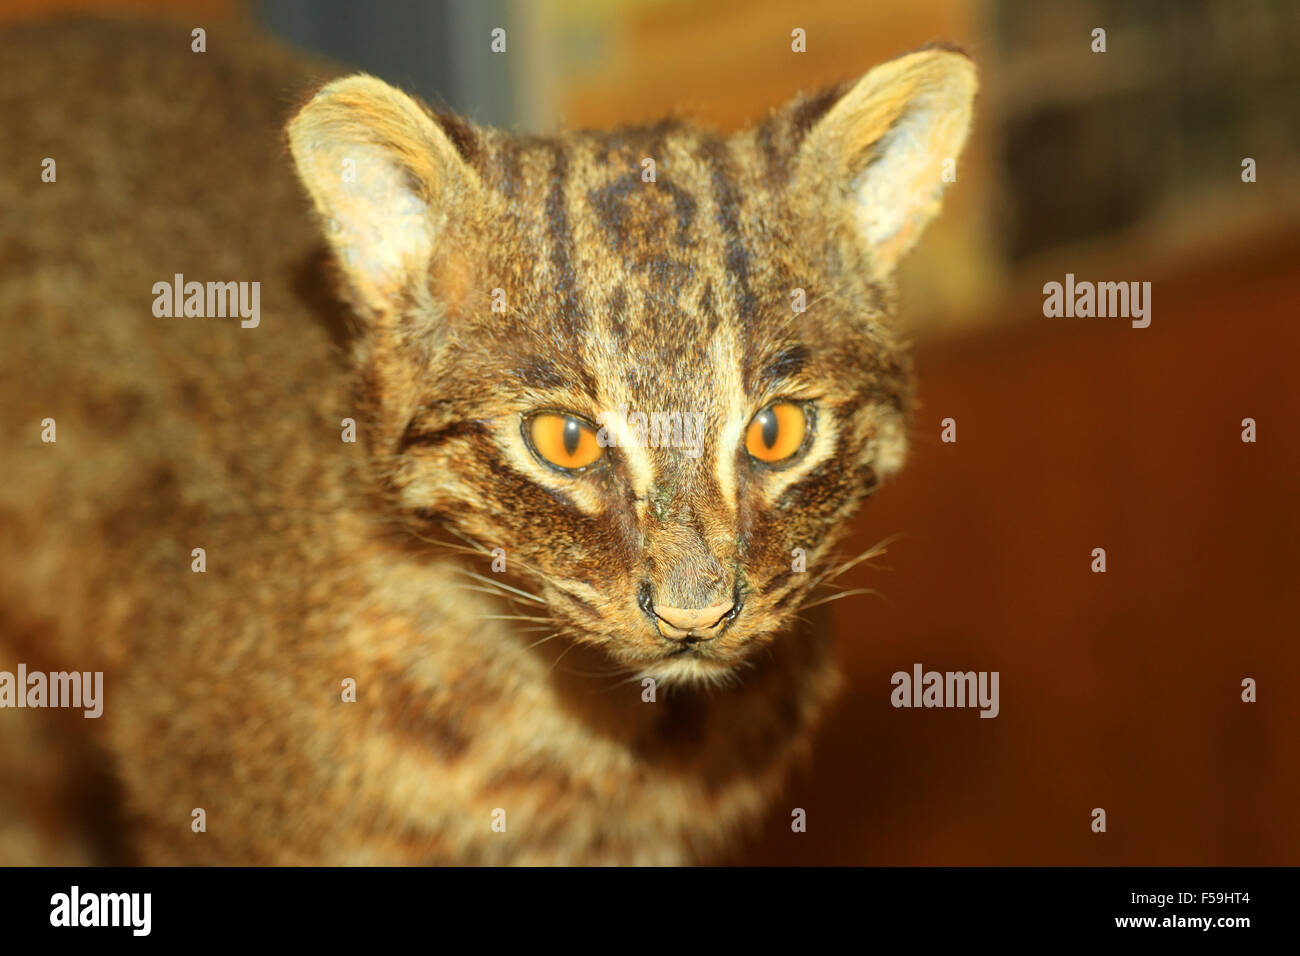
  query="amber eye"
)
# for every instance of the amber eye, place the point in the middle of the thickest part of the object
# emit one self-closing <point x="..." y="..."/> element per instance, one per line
<point x="777" y="432"/>
<point x="563" y="440"/>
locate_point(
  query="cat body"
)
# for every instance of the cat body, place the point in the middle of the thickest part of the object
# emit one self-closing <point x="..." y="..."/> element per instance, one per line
<point x="429" y="644"/>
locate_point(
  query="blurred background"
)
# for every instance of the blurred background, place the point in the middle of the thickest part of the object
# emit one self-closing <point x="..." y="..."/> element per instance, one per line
<point x="1119" y="690"/>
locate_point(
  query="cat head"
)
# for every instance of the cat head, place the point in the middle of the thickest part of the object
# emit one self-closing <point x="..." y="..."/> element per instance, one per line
<point x="657" y="367"/>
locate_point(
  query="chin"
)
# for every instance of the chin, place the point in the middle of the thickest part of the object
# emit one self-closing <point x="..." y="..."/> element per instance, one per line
<point x="693" y="668"/>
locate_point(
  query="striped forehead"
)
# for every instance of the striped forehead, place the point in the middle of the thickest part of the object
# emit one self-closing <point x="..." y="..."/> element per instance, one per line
<point x="609" y="243"/>
<point x="641" y="244"/>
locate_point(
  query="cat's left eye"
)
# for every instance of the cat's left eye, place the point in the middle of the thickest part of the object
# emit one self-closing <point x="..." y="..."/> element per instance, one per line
<point x="777" y="433"/>
<point x="563" y="440"/>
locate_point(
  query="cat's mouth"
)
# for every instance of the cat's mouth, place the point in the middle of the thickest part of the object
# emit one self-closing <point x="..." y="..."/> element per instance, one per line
<point x="713" y="661"/>
<point x="686" y="649"/>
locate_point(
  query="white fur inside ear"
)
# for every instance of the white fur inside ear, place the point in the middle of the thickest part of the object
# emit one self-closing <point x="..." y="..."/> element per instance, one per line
<point x="379" y="226"/>
<point x="381" y="175"/>
<point x="903" y="185"/>
<point x="889" y="145"/>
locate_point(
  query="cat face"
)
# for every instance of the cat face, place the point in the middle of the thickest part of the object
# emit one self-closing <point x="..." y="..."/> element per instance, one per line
<point x="656" y="367"/>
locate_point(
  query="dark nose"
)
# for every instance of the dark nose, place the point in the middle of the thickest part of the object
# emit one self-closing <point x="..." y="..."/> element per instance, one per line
<point x="692" y="624"/>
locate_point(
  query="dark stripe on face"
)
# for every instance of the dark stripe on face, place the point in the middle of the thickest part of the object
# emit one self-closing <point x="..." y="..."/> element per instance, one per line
<point x="706" y="305"/>
<point x="507" y="165"/>
<point x="557" y="226"/>
<point x="788" y="363"/>
<point x="774" y="159"/>
<point x="778" y="580"/>
<point x="580" y="603"/>
<point x="684" y="206"/>
<point x="786" y="598"/>
<point x="847" y="410"/>
<point x="820" y="492"/>
<point x="727" y="197"/>
<point x="870" y="481"/>
<point x="417" y="436"/>
<point x="609" y="203"/>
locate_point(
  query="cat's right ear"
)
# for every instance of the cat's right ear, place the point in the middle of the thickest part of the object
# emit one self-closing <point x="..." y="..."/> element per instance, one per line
<point x="384" y="177"/>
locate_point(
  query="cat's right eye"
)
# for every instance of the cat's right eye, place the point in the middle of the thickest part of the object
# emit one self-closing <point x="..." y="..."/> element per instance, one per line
<point x="563" y="441"/>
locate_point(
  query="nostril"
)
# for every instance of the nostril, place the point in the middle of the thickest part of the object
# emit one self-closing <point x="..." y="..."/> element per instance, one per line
<point x="645" y="600"/>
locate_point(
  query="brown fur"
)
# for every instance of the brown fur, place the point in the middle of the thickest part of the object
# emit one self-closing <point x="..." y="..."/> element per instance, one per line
<point x="329" y="560"/>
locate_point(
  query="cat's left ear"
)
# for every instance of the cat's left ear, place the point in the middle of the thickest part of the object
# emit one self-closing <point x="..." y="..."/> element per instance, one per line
<point x="888" y="146"/>
<point x="385" y="179"/>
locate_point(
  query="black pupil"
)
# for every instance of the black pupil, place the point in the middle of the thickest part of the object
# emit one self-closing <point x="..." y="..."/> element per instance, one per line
<point x="768" y="418"/>
<point x="572" y="433"/>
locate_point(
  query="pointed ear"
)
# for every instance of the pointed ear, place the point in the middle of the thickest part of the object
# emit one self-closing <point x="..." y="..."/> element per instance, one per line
<point x="383" y="177"/>
<point x="885" y="145"/>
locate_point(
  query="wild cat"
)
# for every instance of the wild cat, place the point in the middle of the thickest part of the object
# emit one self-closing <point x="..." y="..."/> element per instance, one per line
<point x="363" y="579"/>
